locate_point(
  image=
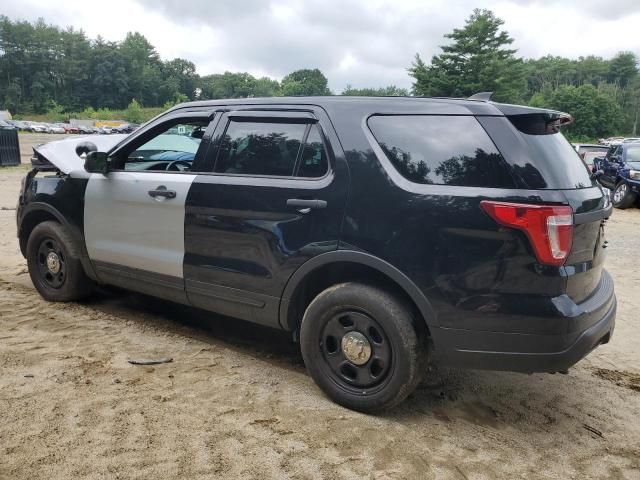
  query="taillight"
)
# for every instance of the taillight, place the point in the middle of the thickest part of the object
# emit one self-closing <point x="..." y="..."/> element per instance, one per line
<point x="549" y="228"/>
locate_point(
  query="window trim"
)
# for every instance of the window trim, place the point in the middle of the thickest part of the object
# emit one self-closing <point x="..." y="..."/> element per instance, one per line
<point x="270" y="116"/>
<point x="424" y="188"/>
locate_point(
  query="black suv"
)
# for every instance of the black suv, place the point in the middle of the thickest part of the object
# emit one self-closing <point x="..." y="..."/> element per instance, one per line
<point x="381" y="232"/>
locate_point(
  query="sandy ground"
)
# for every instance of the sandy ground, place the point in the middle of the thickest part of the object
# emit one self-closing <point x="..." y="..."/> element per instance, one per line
<point x="236" y="401"/>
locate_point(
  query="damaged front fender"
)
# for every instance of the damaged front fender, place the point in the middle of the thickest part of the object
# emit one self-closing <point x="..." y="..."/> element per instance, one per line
<point x="61" y="154"/>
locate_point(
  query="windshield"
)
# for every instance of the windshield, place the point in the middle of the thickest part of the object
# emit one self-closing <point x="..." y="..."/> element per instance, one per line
<point x="633" y="154"/>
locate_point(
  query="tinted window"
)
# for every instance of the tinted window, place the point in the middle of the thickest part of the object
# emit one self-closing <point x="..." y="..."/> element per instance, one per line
<point x="255" y="148"/>
<point x="561" y="158"/>
<point x="313" y="162"/>
<point x="445" y="150"/>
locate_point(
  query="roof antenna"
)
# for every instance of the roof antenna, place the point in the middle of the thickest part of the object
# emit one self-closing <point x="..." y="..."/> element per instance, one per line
<point x="482" y="96"/>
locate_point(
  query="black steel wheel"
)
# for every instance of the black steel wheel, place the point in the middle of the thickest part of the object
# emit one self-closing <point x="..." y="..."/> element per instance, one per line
<point x="51" y="263"/>
<point x="356" y="350"/>
<point x="362" y="346"/>
<point x="54" y="264"/>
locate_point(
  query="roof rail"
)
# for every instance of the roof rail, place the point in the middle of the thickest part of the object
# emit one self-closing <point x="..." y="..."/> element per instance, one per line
<point x="482" y="96"/>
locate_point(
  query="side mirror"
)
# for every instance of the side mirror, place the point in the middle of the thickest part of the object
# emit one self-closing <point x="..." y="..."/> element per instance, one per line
<point x="97" y="162"/>
<point x="85" y="147"/>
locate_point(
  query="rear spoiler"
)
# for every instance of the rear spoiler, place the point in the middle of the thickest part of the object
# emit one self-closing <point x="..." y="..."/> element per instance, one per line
<point x="531" y="120"/>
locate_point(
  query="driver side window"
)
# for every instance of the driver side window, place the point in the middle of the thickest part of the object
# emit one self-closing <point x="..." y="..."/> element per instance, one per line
<point x="172" y="150"/>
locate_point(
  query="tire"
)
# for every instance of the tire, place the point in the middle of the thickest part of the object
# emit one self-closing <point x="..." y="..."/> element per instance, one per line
<point x="335" y="354"/>
<point x="622" y="196"/>
<point x="54" y="264"/>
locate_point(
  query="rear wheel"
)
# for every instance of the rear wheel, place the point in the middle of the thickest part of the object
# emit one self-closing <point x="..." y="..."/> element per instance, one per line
<point x="360" y="346"/>
<point x="54" y="264"/>
<point x="623" y="197"/>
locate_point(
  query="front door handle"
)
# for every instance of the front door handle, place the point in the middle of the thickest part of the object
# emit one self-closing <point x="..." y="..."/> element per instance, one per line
<point x="306" y="203"/>
<point x="161" y="191"/>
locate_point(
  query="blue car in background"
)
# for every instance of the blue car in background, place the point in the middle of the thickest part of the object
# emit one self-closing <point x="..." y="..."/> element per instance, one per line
<point x="619" y="170"/>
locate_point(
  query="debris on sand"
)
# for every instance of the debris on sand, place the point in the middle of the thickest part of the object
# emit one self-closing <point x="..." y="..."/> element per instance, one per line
<point x="146" y="361"/>
<point x="595" y="431"/>
<point x="619" y="377"/>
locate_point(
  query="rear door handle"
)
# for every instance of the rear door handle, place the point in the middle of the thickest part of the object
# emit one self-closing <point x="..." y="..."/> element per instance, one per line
<point x="306" y="203"/>
<point x="161" y="191"/>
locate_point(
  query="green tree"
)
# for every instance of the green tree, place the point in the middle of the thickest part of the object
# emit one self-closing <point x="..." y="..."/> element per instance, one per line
<point x="228" y="85"/>
<point x="305" y="83"/>
<point x="108" y="79"/>
<point x="266" y="87"/>
<point x="134" y="113"/>
<point x="623" y="68"/>
<point x="390" y="91"/>
<point x="595" y="111"/>
<point x="141" y="61"/>
<point x="476" y="60"/>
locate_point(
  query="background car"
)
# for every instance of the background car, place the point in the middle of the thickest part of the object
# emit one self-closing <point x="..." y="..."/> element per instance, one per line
<point x="86" y="129"/>
<point x="37" y="127"/>
<point x="54" y="128"/>
<point x="126" y="128"/>
<point x="19" y="124"/>
<point x="583" y="148"/>
<point x="68" y="128"/>
<point x="6" y="126"/>
<point x="611" y="141"/>
<point x="619" y="170"/>
<point x="590" y="157"/>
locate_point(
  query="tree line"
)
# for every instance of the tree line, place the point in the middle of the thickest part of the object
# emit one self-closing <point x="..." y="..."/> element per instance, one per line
<point x="603" y="95"/>
<point x="47" y="69"/>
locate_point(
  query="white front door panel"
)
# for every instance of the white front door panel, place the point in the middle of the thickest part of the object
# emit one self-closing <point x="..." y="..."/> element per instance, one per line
<point x="125" y="226"/>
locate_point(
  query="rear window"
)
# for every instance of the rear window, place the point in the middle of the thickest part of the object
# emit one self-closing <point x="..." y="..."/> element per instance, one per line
<point x="441" y="150"/>
<point x="548" y="147"/>
<point x="561" y="158"/>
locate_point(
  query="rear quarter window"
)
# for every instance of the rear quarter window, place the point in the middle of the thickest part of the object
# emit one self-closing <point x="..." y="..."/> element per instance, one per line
<point x="441" y="150"/>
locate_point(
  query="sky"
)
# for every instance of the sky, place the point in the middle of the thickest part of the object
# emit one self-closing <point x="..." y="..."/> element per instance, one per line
<point x="364" y="43"/>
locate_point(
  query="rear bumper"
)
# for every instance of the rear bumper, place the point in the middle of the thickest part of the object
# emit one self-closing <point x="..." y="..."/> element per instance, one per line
<point x="580" y="328"/>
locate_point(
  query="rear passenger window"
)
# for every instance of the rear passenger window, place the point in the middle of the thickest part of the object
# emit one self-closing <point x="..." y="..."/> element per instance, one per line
<point x="313" y="162"/>
<point x="255" y="148"/>
<point x="441" y="150"/>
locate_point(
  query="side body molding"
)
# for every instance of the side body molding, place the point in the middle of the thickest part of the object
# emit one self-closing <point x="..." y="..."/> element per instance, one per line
<point x="362" y="258"/>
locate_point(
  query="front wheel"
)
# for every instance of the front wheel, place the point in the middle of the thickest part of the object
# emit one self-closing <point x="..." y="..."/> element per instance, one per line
<point x="361" y="346"/>
<point x="623" y="197"/>
<point x="54" y="264"/>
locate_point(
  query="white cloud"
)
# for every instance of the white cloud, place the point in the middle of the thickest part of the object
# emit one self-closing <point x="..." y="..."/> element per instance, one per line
<point x="365" y="43"/>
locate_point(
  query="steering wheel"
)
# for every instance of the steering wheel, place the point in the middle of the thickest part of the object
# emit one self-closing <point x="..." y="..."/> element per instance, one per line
<point x="176" y="165"/>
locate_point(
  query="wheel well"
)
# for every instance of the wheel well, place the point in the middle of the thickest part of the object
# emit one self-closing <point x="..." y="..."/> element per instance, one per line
<point x="339" y="272"/>
<point x="29" y="223"/>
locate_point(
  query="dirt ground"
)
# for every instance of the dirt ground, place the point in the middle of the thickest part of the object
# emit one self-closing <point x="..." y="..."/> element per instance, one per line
<point x="236" y="401"/>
